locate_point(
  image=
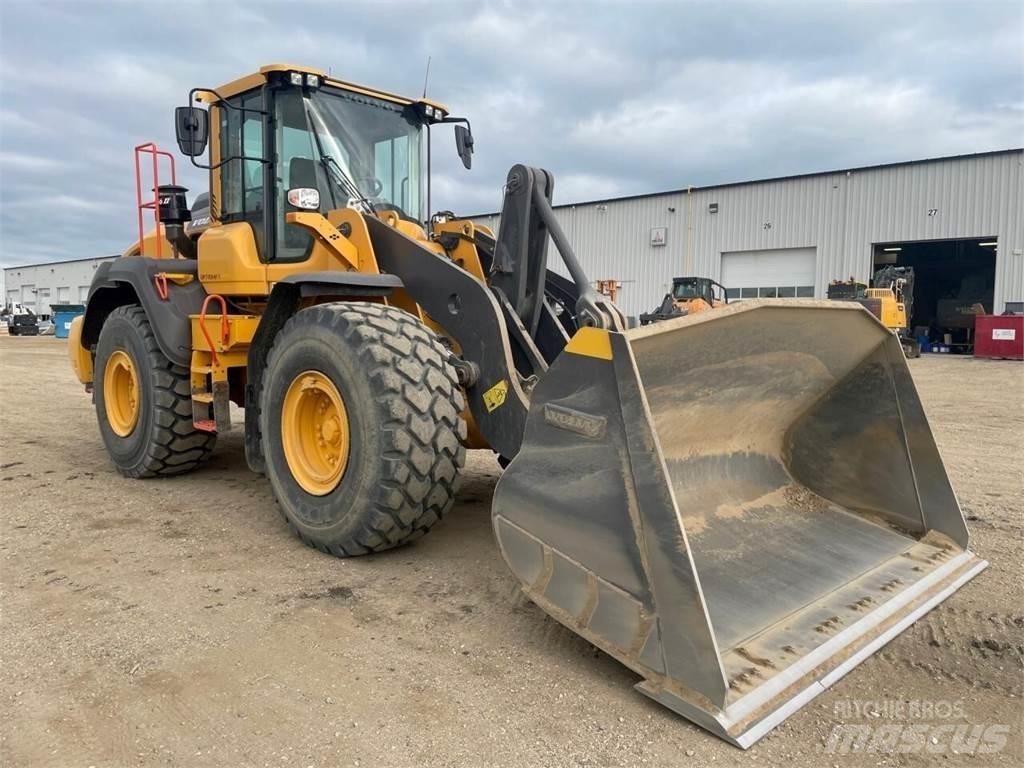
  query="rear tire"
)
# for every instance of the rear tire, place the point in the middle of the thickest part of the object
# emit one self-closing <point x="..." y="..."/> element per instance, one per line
<point x="401" y="419"/>
<point x="163" y="440"/>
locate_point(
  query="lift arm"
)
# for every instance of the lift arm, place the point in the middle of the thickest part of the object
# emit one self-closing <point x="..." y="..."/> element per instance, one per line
<point x="510" y="330"/>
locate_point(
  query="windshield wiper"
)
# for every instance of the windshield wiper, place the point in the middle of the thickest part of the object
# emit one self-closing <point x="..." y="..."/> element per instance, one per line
<point x="334" y="170"/>
<point x="343" y="180"/>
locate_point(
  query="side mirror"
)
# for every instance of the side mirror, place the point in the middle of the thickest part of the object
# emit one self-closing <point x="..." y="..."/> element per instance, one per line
<point x="464" y="145"/>
<point x="192" y="129"/>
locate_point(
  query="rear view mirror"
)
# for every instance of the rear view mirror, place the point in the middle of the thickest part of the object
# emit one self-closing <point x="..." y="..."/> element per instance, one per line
<point x="464" y="145"/>
<point x="192" y="129"/>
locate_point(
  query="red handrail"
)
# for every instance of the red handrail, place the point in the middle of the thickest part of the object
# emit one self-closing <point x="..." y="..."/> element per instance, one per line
<point x="151" y="149"/>
<point x="160" y="279"/>
<point x="225" y="327"/>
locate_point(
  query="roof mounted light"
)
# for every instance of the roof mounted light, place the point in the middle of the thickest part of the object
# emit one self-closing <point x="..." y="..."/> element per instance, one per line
<point x="431" y="113"/>
<point x="312" y="81"/>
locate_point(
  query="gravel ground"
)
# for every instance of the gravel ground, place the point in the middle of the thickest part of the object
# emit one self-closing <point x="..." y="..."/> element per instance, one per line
<point x="176" y="622"/>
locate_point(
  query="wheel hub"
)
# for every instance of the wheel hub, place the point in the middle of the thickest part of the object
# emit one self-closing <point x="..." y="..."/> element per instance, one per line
<point x="121" y="394"/>
<point x="315" y="432"/>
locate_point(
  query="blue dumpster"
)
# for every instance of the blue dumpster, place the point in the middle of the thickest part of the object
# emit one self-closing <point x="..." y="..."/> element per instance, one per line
<point x="63" y="314"/>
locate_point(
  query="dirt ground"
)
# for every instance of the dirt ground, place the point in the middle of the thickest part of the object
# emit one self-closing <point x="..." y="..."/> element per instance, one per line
<point x="176" y="622"/>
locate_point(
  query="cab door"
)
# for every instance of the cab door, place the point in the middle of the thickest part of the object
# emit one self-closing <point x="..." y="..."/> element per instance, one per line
<point x="233" y="256"/>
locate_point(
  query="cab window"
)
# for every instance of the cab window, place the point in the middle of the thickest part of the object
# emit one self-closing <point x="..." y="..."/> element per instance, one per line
<point x="297" y="167"/>
<point x="391" y="165"/>
<point x="242" y="180"/>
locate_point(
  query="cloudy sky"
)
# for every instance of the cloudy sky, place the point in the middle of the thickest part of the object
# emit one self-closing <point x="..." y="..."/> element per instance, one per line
<point x="613" y="98"/>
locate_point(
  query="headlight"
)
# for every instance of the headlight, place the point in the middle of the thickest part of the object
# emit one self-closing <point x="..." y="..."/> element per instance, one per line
<point x="313" y="81"/>
<point x="428" y="111"/>
<point x="296" y="78"/>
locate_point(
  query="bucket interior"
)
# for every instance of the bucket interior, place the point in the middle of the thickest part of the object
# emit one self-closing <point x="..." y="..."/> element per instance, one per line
<point x="740" y="505"/>
<point x="787" y="546"/>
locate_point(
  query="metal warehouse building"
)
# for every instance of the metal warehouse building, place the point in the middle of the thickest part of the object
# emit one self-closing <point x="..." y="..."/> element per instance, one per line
<point x="959" y="221"/>
<point x="37" y="286"/>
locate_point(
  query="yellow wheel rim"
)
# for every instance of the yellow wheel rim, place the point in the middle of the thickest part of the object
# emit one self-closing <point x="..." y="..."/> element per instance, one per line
<point x="315" y="433"/>
<point x="121" y="393"/>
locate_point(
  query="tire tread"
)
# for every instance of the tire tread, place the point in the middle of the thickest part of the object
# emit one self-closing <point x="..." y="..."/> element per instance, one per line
<point x="177" y="446"/>
<point x="418" y="394"/>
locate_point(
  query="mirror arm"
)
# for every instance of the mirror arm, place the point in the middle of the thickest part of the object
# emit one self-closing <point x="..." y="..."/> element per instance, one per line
<point x="222" y="102"/>
<point x="456" y="120"/>
<point x="227" y="160"/>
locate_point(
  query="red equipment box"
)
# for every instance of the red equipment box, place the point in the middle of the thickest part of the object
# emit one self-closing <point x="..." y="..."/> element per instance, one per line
<point x="999" y="336"/>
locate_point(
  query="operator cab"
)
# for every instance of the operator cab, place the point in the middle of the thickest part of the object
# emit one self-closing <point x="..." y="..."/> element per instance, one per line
<point x="291" y="139"/>
<point x="688" y="288"/>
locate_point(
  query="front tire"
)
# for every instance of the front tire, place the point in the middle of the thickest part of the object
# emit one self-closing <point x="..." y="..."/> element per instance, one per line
<point x="361" y="422"/>
<point x="144" y="401"/>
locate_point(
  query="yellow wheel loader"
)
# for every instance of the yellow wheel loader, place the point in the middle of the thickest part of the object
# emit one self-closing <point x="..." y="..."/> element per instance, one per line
<point x="702" y="498"/>
<point x="891" y="300"/>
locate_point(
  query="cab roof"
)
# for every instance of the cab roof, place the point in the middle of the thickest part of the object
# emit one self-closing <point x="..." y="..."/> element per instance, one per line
<point x="257" y="79"/>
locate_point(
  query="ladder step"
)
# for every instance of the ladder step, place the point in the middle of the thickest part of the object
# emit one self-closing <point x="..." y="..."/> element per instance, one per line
<point x="205" y="425"/>
<point x="202" y="397"/>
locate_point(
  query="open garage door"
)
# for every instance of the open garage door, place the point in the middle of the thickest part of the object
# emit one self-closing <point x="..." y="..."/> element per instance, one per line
<point x="953" y="280"/>
<point x="782" y="273"/>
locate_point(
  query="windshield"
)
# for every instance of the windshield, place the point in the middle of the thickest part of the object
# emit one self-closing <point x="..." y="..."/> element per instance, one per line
<point x="372" y="151"/>
<point x="685" y="291"/>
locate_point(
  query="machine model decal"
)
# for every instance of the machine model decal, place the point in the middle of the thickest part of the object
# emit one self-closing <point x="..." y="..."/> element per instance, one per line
<point x="575" y="421"/>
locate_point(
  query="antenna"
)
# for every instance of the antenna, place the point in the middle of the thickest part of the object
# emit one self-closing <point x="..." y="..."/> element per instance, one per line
<point x="426" y="78"/>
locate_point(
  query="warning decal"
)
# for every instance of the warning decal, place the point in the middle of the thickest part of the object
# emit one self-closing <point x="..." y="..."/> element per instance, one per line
<point x="495" y="396"/>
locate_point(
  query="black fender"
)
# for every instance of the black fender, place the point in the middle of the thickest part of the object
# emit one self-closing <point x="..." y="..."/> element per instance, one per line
<point x="283" y="302"/>
<point x="343" y="284"/>
<point x="132" y="280"/>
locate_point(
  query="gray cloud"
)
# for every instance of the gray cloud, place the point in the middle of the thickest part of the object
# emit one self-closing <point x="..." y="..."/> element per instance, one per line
<point x="613" y="98"/>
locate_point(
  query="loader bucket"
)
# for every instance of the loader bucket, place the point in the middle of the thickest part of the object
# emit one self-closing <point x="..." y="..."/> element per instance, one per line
<point x="740" y="505"/>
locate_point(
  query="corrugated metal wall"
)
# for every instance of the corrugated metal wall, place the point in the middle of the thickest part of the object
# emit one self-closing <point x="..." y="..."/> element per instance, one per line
<point x="37" y="286"/>
<point x="841" y="214"/>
